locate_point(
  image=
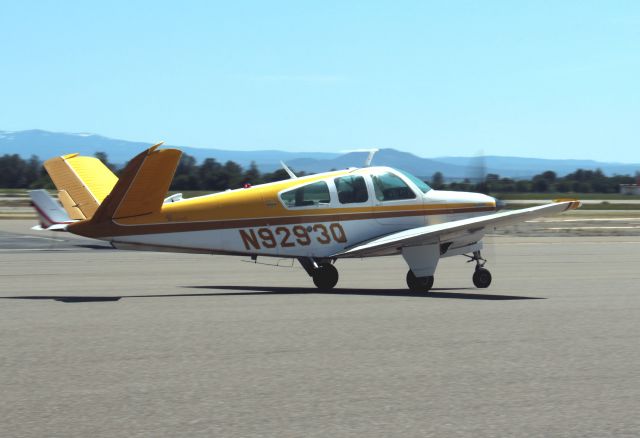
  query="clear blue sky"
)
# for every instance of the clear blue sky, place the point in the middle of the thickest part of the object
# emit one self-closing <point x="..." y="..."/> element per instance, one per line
<point x="556" y="79"/>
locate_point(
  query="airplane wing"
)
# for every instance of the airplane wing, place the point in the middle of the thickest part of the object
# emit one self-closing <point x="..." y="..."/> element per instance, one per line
<point x="451" y="231"/>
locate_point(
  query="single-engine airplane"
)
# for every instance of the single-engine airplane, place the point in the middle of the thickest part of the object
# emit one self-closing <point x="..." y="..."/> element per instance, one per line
<point x="316" y="219"/>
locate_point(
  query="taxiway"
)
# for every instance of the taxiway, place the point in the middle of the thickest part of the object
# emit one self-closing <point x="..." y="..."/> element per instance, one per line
<point x="106" y="343"/>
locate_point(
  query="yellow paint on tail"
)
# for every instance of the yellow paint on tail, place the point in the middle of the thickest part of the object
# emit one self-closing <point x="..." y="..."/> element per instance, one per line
<point x="70" y="206"/>
<point x="82" y="182"/>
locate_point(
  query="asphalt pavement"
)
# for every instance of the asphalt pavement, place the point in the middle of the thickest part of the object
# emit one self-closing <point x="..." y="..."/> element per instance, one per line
<point x="97" y="342"/>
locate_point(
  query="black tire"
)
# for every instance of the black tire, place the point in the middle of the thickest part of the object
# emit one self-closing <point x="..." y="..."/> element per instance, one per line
<point x="419" y="284"/>
<point x="482" y="278"/>
<point x="325" y="277"/>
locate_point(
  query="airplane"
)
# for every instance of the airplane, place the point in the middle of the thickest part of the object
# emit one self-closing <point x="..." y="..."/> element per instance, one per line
<point x="317" y="219"/>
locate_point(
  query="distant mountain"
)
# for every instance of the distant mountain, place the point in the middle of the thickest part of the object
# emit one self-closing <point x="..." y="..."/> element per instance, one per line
<point x="456" y="168"/>
<point x="423" y="167"/>
<point x="46" y="144"/>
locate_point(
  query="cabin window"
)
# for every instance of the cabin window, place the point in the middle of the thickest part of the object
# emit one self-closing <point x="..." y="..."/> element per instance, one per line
<point x="312" y="194"/>
<point x="351" y="189"/>
<point x="390" y="187"/>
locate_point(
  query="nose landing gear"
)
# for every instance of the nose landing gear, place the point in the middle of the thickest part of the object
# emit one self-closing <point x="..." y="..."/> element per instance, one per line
<point x="481" y="277"/>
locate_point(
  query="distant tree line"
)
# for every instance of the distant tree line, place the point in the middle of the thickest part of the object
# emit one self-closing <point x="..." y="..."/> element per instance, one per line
<point x="16" y="172"/>
<point x="580" y="181"/>
<point x="212" y="175"/>
<point x="215" y="176"/>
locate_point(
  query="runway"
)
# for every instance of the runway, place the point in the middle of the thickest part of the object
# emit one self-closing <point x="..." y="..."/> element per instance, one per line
<point x="106" y="343"/>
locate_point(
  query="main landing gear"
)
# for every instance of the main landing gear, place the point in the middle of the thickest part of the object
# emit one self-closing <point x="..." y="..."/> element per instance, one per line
<point x="325" y="277"/>
<point x="323" y="273"/>
<point x="481" y="276"/>
<point x="419" y="284"/>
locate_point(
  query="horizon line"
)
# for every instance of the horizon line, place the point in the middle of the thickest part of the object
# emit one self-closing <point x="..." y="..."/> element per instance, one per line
<point x="337" y="153"/>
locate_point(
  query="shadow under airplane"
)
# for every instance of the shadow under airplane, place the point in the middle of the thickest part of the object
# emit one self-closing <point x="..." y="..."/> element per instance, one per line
<point x="266" y="290"/>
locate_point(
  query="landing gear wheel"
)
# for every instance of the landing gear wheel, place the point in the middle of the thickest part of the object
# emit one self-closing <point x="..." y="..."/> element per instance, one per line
<point x="419" y="284"/>
<point x="325" y="277"/>
<point x="482" y="278"/>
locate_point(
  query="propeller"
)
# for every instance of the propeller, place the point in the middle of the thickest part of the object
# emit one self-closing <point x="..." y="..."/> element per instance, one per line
<point x="477" y="175"/>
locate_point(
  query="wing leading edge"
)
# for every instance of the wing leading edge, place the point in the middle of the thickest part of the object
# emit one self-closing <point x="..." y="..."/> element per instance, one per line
<point x="450" y="231"/>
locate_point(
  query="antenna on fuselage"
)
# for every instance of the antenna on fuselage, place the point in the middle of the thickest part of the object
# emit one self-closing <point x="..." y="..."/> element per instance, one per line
<point x="369" y="159"/>
<point x="289" y="171"/>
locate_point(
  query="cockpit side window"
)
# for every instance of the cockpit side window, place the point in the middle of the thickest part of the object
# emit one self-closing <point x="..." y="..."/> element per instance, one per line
<point x="351" y="189"/>
<point x="312" y="194"/>
<point x="390" y="187"/>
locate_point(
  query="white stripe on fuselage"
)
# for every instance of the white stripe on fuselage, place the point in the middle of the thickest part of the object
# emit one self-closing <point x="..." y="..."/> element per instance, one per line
<point x="319" y="239"/>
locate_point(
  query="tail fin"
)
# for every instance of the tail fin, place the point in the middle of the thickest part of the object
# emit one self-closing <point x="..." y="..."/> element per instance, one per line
<point x="140" y="191"/>
<point x="82" y="182"/>
<point x="50" y="214"/>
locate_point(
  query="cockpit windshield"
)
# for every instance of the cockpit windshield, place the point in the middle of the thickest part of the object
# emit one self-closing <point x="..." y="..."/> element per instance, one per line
<point x="417" y="181"/>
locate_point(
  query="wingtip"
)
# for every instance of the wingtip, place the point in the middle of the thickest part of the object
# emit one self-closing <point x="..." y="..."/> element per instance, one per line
<point x="573" y="203"/>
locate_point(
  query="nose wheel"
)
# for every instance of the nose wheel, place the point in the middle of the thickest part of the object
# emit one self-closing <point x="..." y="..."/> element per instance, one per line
<point x="481" y="276"/>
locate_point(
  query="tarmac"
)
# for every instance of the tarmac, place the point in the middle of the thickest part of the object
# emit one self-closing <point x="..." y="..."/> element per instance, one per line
<point x="106" y="343"/>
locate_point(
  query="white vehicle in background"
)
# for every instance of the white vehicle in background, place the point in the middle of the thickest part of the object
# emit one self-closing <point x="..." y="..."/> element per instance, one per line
<point x="51" y="215"/>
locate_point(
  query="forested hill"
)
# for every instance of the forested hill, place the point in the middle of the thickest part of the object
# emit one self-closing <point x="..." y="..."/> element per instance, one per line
<point x="46" y="144"/>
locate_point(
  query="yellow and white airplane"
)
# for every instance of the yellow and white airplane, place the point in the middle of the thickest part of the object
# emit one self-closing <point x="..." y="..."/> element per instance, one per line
<point x="316" y="219"/>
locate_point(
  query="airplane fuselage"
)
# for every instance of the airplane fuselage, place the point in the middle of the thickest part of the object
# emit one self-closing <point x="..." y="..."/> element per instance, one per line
<point x="313" y="216"/>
